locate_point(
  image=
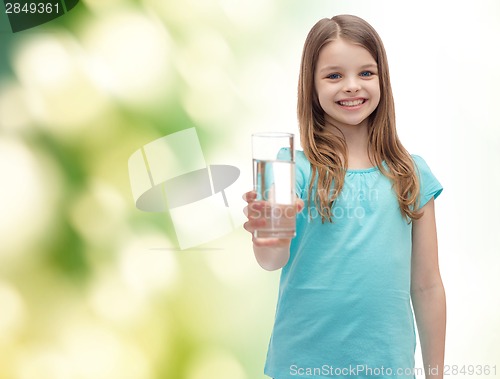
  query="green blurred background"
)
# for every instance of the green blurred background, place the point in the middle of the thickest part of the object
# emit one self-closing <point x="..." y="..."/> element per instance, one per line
<point x="91" y="287"/>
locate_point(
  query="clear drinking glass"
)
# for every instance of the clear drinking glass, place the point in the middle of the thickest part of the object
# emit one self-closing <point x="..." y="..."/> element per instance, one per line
<point x="274" y="182"/>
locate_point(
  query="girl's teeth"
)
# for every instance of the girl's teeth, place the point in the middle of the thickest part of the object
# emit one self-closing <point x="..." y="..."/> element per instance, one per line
<point x="351" y="103"/>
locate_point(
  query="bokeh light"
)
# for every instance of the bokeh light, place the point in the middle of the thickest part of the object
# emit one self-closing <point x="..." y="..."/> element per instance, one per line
<point x="60" y="95"/>
<point x="99" y="213"/>
<point x="13" y="313"/>
<point x="28" y="188"/>
<point x="129" y="55"/>
<point x="14" y="109"/>
<point x="204" y="62"/>
<point x="148" y="272"/>
<point x="211" y="364"/>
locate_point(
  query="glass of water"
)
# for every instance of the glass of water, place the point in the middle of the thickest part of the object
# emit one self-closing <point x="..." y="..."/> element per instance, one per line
<point x="274" y="182"/>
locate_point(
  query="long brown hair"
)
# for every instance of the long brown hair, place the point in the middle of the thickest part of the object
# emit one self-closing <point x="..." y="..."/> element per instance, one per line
<point x="326" y="151"/>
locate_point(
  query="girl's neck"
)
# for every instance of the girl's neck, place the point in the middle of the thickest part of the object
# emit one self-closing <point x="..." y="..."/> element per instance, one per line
<point x="356" y="137"/>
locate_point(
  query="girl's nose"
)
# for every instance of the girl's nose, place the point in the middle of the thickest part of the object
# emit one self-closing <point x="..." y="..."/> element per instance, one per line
<point x="352" y="85"/>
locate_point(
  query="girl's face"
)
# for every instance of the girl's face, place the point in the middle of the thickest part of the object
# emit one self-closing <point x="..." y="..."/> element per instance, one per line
<point x="347" y="84"/>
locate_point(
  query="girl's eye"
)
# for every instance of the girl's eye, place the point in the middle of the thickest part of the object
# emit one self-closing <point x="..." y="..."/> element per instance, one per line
<point x="366" y="74"/>
<point x="334" y="76"/>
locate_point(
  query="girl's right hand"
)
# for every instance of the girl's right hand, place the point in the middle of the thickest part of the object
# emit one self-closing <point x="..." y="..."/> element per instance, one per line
<point x="254" y="212"/>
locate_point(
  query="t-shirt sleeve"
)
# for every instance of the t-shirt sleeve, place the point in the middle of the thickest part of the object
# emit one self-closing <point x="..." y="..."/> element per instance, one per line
<point x="429" y="185"/>
<point x="302" y="173"/>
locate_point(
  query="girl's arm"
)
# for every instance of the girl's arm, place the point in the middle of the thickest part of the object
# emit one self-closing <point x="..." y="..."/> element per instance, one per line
<point x="271" y="253"/>
<point x="427" y="292"/>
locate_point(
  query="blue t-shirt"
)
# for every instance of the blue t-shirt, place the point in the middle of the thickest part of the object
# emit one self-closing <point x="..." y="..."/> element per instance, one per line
<point x="344" y="299"/>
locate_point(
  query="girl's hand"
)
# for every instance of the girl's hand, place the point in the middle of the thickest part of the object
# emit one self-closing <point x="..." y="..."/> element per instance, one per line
<point x="254" y="212"/>
<point x="271" y="253"/>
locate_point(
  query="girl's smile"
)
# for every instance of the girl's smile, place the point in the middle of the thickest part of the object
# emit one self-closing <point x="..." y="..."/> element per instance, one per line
<point x="352" y="104"/>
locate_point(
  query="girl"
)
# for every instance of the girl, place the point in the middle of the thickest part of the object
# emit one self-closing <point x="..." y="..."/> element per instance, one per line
<point x="366" y="241"/>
